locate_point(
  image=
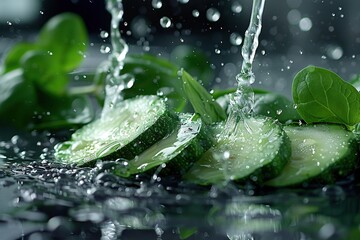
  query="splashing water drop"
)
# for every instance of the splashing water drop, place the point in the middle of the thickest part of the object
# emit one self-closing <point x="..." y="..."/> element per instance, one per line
<point x="165" y="22"/>
<point x="213" y="15"/>
<point x="235" y="39"/>
<point x="236" y="7"/>
<point x="156" y="4"/>
<point x="105" y="49"/>
<point x="104" y="34"/>
<point x="195" y="13"/>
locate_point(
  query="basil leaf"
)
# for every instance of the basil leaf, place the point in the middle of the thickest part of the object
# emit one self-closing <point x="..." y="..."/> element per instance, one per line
<point x="322" y="96"/>
<point x="355" y="81"/>
<point x="65" y="37"/>
<point x="202" y="101"/>
<point x="12" y="59"/>
<point x="18" y="99"/>
<point x="40" y="68"/>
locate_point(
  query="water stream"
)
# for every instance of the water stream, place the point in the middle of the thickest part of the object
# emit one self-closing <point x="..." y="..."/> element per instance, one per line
<point x="115" y="81"/>
<point x="241" y="103"/>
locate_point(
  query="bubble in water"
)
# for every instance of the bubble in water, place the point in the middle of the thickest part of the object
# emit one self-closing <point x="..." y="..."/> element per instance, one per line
<point x="305" y="24"/>
<point x="165" y="22"/>
<point x="212" y="14"/>
<point x="42" y="12"/>
<point x="156" y="4"/>
<point x="195" y="13"/>
<point x="236" y="7"/>
<point x="183" y="1"/>
<point x="104" y="34"/>
<point x="235" y="39"/>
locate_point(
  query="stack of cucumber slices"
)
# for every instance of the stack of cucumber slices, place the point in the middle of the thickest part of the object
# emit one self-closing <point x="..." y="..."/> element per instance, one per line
<point x="149" y="137"/>
<point x="146" y="137"/>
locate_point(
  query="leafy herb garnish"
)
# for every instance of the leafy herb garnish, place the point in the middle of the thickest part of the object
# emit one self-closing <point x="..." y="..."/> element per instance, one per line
<point x="202" y="101"/>
<point x="322" y="96"/>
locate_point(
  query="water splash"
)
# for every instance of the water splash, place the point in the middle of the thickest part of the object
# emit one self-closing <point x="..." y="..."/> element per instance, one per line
<point x="241" y="104"/>
<point x="115" y="81"/>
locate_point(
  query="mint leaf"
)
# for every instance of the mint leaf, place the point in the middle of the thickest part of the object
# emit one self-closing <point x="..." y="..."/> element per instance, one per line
<point x="322" y="96"/>
<point x="202" y="101"/>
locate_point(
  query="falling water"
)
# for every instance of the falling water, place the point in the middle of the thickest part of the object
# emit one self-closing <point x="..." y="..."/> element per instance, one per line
<point x="241" y="104"/>
<point x="115" y="81"/>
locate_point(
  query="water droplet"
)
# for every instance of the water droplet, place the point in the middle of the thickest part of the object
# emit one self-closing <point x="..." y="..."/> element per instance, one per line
<point x="236" y="7"/>
<point x="217" y="51"/>
<point x="305" y="24"/>
<point x="236" y="39"/>
<point x="156" y="4"/>
<point x="165" y="22"/>
<point x="9" y="23"/>
<point x="334" y="52"/>
<point x="279" y="111"/>
<point x="104" y="34"/>
<point x="41" y="12"/>
<point x="212" y="14"/>
<point x="183" y="1"/>
<point x="195" y="13"/>
<point x="104" y="49"/>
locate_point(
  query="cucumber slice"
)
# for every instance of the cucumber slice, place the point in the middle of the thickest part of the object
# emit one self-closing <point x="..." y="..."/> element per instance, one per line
<point x="130" y="128"/>
<point x="320" y="153"/>
<point x="175" y="153"/>
<point x="257" y="150"/>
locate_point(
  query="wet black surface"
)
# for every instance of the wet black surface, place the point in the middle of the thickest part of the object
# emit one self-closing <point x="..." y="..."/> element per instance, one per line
<point x="40" y="199"/>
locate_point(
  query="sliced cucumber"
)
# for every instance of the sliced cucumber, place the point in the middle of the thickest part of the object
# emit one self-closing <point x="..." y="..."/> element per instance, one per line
<point x="127" y="130"/>
<point x="257" y="150"/>
<point x="175" y="153"/>
<point x="320" y="153"/>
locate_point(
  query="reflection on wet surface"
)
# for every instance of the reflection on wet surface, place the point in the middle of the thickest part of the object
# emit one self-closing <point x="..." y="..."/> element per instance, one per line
<point x="46" y="200"/>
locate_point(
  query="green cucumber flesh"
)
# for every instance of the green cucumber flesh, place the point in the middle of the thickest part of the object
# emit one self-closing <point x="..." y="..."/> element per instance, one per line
<point x="257" y="150"/>
<point x="126" y="131"/>
<point x="320" y="153"/>
<point x="175" y="153"/>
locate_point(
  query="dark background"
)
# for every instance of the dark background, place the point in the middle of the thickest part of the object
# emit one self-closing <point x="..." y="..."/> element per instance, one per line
<point x="278" y="35"/>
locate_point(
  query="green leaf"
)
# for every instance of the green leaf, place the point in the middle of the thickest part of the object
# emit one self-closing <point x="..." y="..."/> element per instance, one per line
<point x="202" y="101"/>
<point x="355" y="81"/>
<point x="185" y="232"/>
<point x="195" y="61"/>
<point x="322" y="96"/>
<point x="64" y="112"/>
<point x="12" y="59"/>
<point x="154" y="76"/>
<point x="18" y="99"/>
<point x="65" y="37"/>
<point x="41" y="68"/>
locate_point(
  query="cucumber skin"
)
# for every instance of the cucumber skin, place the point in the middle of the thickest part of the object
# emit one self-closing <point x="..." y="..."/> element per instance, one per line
<point x="164" y="125"/>
<point x="335" y="171"/>
<point x="179" y="165"/>
<point x="338" y="169"/>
